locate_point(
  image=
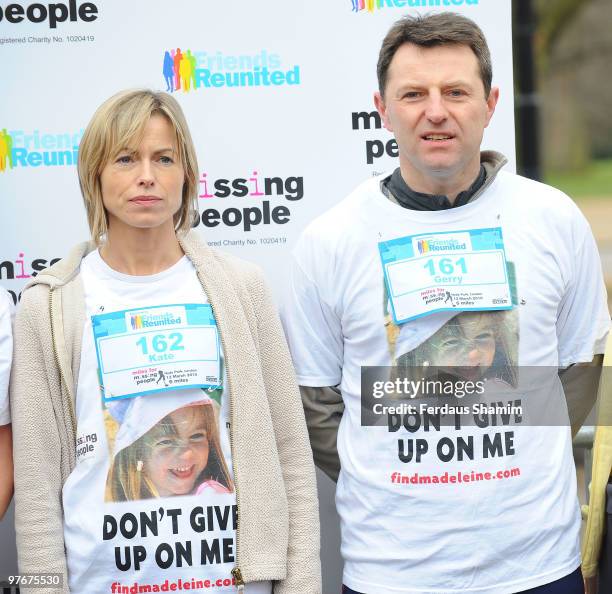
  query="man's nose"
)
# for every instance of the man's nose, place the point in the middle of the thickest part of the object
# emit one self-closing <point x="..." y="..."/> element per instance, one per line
<point x="436" y="111"/>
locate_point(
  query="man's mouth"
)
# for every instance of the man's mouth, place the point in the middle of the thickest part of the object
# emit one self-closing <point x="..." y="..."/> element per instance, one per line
<point x="182" y="472"/>
<point x="438" y="137"/>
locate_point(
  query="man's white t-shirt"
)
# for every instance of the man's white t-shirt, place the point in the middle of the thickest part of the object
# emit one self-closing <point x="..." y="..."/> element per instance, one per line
<point x="150" y="505"/>
<point x="6" y="354"/>
<point x="520" y="527"/>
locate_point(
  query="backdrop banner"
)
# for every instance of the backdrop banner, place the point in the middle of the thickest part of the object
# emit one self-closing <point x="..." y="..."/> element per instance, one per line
<point x="278" y="97"/>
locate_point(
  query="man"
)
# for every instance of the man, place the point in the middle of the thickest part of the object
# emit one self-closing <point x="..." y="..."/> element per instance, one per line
<point x="422" y="508"/>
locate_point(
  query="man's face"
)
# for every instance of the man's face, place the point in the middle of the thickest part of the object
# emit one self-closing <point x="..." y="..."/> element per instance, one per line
<point x="436" y="107"/>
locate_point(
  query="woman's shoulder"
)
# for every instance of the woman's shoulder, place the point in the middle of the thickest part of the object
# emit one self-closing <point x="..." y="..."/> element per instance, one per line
<point x="239" y="267"/>
<point x="240" y="272"/>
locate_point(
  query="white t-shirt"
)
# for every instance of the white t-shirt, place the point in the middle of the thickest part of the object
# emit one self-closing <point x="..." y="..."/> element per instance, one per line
<point x="517" y="529"/>
<point x="6" y="354"/>
<point x="151" y="501"/>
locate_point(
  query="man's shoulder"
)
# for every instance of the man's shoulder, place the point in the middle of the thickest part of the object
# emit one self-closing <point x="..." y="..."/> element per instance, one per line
<point x="537" y="197"/>
<point x="531" y="188"/>
<point x="348" y="216"/>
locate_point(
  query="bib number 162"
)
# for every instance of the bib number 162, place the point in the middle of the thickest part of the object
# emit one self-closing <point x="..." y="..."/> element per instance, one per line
<point x="161" y="343"/>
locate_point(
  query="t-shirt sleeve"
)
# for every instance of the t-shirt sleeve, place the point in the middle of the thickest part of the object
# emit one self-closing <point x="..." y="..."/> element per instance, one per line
<point x="583" y="320"/>
<point x="312" y="327"/>
<point x="6" y="354"/>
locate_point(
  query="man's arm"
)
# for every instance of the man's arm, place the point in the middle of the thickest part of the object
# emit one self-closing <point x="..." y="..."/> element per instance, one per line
<point x="580" y="383"/>
<point x="314" y="332"/>
<point x="323" y="408"/>
<point x="6" y="464"/>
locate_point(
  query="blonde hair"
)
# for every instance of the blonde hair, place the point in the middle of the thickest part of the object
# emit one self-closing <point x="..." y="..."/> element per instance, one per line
<point x="119" y="123"/>
<point x="128" y="481"/>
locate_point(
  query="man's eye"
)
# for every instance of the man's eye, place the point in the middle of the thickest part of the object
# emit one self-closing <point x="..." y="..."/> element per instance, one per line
<point x="456" y="93"/>
<point x="412" y="95"/>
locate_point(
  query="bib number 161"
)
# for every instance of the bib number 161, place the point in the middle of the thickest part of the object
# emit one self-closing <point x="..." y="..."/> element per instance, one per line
<point x="446" y="266"/>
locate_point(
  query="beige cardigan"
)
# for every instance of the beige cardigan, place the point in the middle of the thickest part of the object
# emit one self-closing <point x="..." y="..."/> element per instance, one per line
<point x="278" y="525"/>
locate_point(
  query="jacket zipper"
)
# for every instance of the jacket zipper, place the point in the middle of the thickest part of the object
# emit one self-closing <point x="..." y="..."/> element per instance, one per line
<point x="57" y="361"/>
<point x="236" y="573"/>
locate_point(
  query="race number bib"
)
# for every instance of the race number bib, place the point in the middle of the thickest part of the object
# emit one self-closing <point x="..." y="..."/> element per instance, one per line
<point x="458" y="270"/>
<point x="157" y="349"/>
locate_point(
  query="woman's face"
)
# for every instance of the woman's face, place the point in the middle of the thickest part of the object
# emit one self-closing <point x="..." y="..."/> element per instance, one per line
<point x="142" y="187"/>
<point x="174" y="460"/>
<point x="467" y="343"/>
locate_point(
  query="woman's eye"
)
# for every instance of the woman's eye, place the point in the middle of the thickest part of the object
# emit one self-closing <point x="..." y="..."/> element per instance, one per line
<point x="124" y="159"/>
<point x="452" y="343"/>
<point x="166" y="160"/>
<point x="485" y="336"/>
<point x="200" y="436"/>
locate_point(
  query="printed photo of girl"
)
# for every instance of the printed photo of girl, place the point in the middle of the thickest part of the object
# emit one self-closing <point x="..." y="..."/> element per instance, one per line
<point x="161" y="451"/>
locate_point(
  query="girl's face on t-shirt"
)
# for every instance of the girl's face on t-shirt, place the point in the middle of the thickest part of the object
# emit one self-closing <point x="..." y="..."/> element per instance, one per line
<point x="468" y="341"/>
<point x="177" y="453"/>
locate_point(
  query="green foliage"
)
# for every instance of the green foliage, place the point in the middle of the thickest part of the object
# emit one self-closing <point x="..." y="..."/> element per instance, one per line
<point x="594" y="181"/>
<point x="553" y="17"/>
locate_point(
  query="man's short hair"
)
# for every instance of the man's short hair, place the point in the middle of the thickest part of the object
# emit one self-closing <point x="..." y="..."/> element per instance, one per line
<point x="119" y="123"/>
<point x="444" y="28"/>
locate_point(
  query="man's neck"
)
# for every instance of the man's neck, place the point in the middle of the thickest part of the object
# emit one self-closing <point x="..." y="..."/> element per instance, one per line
<point x="449" y="186"/>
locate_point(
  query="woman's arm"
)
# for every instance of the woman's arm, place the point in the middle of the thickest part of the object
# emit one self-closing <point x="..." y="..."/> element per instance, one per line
<point x="6" y="464"/>
<point x="36" y="442"/>
<point x="303" y="561"/>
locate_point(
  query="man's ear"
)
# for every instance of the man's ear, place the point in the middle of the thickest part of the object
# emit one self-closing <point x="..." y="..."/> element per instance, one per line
<point x="492" y="103"/>
<point x="379" y="102"/>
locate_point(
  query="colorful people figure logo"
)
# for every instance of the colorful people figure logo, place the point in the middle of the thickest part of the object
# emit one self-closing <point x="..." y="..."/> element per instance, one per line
<point x="358" y="5"/>
<point x="178" y="56"/>
<point x="168" y="70"/>
<point x="179" y="70"/>
<point x="6" y="151"/>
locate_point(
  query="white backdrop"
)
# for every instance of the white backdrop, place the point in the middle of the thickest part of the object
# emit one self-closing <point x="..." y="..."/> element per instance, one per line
<point x="297" y="131"/>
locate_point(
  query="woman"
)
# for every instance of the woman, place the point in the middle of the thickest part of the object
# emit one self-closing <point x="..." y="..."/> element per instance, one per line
<point x="148" y="296"/>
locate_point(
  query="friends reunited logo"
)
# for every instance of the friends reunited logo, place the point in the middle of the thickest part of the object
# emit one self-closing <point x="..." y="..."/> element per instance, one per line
<point x="372" y="5"/>
<point x="440" y="245"/>
<point x="423" y="246"/>
<point x="187" y="71"/>
<point x="21" y="149"/>
<point x="144" y="320"/>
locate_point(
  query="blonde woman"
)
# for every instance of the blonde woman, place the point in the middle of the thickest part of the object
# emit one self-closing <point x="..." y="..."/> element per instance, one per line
<point x="148" y="315"/>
